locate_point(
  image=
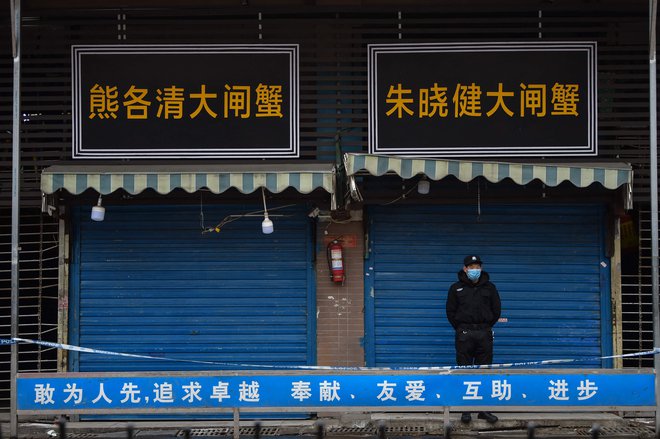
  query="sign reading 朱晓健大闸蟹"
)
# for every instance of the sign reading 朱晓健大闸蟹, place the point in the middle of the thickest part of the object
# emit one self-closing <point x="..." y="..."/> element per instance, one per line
<point x="483" y="99"/>
<point x="176" y="101"/>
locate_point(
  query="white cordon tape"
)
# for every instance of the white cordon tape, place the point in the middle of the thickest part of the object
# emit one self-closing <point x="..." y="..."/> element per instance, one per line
<point x="68" y="347"/>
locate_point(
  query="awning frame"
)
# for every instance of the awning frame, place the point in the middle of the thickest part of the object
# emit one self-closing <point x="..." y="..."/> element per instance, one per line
<point x="610" y="175"/>
<point x="134" y="178"/>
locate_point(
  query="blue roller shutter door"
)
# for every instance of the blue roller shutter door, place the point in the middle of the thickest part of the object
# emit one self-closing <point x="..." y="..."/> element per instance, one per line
<point x="548" y="263"/>
<point x="147" y="281"/>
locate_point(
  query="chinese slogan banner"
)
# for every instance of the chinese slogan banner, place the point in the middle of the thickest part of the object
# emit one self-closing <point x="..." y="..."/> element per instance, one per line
<point x="86" y="392"/>
<point x="222" y="101"/>
<point x="483" y="99"/>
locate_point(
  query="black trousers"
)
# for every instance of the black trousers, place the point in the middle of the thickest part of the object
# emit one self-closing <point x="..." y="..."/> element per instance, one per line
<point x="474" y="346"/>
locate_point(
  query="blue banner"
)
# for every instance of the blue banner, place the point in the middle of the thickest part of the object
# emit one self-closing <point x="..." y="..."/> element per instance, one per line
<point x="73" y="392"/>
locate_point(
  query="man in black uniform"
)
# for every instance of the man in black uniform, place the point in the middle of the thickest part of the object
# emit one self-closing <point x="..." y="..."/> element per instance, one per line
<point x="473" y="308"/>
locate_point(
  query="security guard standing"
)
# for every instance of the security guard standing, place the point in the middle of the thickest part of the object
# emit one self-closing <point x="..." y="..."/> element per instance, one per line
<point x="473" y="307"/>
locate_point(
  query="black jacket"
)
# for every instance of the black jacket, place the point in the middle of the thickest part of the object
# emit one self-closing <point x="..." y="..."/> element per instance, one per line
<point x="473" y="304"/>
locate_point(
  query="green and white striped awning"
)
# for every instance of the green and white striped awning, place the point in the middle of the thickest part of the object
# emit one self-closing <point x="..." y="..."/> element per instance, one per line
<point x="134" y="179"/>
<point x="610" y="175"/>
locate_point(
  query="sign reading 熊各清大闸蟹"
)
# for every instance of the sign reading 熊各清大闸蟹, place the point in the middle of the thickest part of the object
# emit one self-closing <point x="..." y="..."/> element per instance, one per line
<point x="483" y="99"/>
<point x="185" y="101"/>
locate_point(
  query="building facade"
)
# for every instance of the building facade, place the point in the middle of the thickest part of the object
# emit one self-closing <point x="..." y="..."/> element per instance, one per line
<point x="180" y="268"/>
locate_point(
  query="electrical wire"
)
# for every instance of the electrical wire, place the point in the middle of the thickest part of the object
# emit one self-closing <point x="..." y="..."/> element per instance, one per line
<point x="402" y="196"/>
<point x="201" y="211"/>
<point x="231" y="218"/>
<point x="478" y="199"/>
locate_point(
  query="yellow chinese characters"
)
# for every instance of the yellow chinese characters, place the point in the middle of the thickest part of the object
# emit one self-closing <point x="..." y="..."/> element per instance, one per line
<point x="103" y="102"/>
<point x="269" y="101"/>
<point x="433" y="101"/>
<point x="136" y="106"/>
<point x="470" y="100"/>
<point x="175" y="102"/>
<point x="203" y="98"/>
<point x="237" y="100"/>
<point x="532" y="99"/>
<point x="398" y="97"/>
<point x="171" y="102"/>
<point x="564" y="99"/>
<point x="467" y="100"/>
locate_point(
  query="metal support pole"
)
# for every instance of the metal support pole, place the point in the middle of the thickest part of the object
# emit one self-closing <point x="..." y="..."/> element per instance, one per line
<point x="237" y="423"/>
<point x="15" y="202"/>
<point x="653" y="149"/>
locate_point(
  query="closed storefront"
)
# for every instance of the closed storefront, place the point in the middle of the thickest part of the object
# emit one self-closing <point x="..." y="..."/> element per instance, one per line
<point x="548" y="263"/>
<point x="148" y="281"/>
<point x="550" y="259"/>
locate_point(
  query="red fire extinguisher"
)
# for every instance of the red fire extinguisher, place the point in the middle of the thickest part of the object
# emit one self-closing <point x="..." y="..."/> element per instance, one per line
<point x="336" y="261"/>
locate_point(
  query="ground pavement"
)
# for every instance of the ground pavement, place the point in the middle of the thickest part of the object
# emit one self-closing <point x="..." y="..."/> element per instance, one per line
<point x="359" y="426"/>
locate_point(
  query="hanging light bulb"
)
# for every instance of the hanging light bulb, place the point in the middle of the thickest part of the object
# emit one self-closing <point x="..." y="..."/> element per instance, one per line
<point x="98" y="211"/>
<point x="266" y="224"/>
<point x="423" y="186"/>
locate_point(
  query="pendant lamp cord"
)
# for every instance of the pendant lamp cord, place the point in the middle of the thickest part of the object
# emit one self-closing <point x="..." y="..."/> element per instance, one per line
<point x="478" y="200"/>
<point x="263" y="195"/>
<point x="201" y="211"/>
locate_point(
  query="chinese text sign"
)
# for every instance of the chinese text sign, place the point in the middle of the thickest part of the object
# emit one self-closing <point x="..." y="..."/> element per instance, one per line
<point x="213" y="101"/>
<point x="483" y="99"/>
<point x="76" y="393"/>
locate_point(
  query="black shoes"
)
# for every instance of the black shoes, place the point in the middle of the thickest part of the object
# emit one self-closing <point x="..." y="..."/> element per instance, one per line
<point x="466" y="418"/>
<point x="489" y="417"/>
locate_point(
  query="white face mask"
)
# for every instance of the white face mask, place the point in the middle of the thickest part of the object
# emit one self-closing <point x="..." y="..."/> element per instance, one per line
<point x="473" y="274"/>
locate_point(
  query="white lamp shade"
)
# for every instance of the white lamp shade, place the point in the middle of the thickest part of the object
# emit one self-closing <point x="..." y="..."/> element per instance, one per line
<point x="423" y="187"/>
<point x="98" y="213"/>
<point x="267" y="226"/>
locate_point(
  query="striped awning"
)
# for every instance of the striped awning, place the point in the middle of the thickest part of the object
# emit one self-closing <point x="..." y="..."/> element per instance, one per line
<point x="610" y="175"/>
<point x="134" y="179"/>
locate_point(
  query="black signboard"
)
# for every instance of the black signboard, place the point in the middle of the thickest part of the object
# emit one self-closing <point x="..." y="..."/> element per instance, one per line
<point x="483" y="99"/>
<point x="185" y="101"/>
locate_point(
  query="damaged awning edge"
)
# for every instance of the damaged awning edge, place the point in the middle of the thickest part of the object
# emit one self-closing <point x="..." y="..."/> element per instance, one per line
<point x="134" y="179"/>
<point x="609" y="175"/>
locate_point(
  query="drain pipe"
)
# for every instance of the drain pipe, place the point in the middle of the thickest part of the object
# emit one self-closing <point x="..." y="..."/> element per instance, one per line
<point x="653" y="150"/>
